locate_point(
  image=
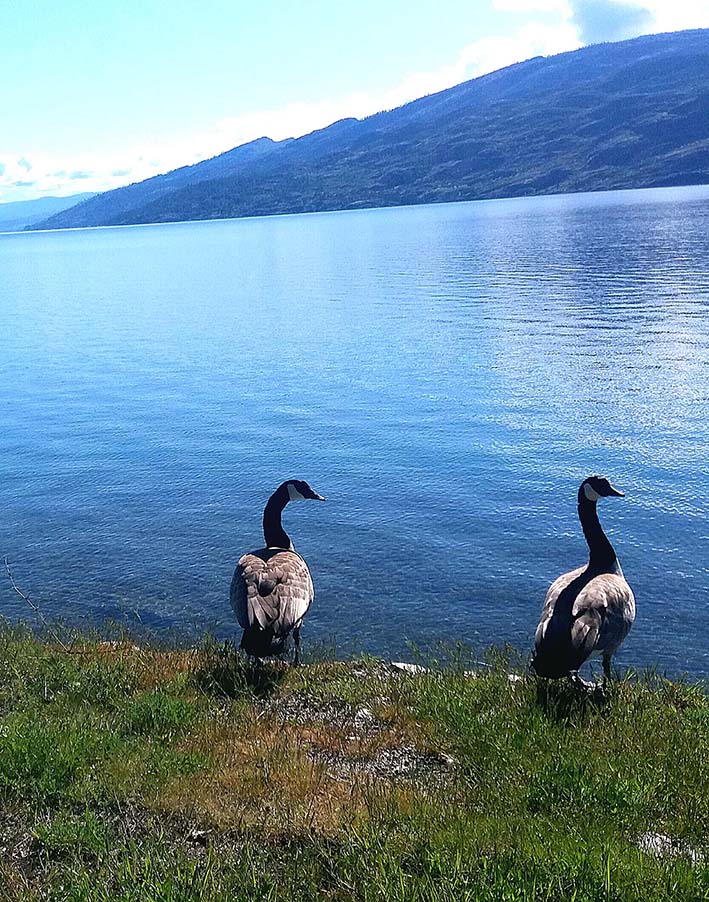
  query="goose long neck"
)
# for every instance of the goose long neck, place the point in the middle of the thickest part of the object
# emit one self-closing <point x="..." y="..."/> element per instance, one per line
<point x="273" y="532"/>
<point x="602" y="556"/>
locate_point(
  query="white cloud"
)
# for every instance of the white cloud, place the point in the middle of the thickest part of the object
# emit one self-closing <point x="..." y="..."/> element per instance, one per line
<point x="677" y="15"/>
<point x="533" y="39"/>
<point x="64" y="175"/>
<point x="481" y="56"/>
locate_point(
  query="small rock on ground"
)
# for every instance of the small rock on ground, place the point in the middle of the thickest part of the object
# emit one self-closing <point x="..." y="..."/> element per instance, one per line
<point x="395" y="763"/>
<point x="660" y="845"/>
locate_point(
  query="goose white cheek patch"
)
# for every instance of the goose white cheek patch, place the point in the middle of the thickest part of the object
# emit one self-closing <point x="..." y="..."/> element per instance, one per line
<point x="294" y="494"/>
<point x="590" y="493"/>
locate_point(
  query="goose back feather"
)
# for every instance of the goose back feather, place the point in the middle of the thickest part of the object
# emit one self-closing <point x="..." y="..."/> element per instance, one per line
<point x="271" y="592"/>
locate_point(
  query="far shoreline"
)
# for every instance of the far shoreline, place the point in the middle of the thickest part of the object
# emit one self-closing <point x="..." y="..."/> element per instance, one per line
<point x="658" y="191"/>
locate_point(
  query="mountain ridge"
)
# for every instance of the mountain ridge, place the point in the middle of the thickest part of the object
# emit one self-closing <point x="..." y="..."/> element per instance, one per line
<point x="624" y="115"/>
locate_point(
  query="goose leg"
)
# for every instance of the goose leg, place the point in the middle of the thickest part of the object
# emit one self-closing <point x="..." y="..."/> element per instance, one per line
<point x="606" y="668"/>
<point x="296" y="640"/>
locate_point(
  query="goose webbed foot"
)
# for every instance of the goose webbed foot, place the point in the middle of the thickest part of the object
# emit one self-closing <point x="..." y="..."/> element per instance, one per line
<point x="593" y="690"/>
<point x="579" y="683"/>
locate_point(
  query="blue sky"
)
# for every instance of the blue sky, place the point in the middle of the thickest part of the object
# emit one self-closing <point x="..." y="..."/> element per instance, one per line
<point x="96" y="95"/>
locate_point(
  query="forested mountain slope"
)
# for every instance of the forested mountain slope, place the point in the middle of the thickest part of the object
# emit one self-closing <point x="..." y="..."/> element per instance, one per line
<point x="630" y="114"/>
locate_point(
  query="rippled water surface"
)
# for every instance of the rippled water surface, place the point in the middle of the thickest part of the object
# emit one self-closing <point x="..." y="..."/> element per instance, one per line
<point x="446" y="375"/>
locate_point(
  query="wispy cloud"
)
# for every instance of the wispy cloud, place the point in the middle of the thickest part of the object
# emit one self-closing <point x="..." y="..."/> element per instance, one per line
<point x="477" y="58"/>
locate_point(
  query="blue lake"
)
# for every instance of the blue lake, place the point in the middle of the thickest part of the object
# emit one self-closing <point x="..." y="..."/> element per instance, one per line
<point x="446" y="375"/>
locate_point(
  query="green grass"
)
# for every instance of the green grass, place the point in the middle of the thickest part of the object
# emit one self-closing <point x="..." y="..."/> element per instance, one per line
<point x="148" y="773"/>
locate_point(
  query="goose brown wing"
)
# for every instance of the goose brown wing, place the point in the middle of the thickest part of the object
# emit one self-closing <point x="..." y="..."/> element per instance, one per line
<point x="272" y="588"/>
<point x="603" y="613"/>
<point x="555" y="589"/>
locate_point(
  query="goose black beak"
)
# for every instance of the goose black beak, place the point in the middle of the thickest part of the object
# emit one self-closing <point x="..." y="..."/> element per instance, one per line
<point x="616" y="493"/>
<point x="317" y="497"/>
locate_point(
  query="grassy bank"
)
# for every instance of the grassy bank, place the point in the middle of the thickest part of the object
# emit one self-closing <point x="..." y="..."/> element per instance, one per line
<point x="146" y="773"/>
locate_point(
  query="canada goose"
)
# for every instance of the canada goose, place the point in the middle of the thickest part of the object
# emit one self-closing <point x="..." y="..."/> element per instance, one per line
<point x="272" y="589"/>
<point x="588" y="611"/>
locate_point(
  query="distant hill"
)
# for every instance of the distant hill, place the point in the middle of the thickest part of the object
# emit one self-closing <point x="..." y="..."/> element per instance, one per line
<point x="120" y="204"/>
<point x="630" y="114"/>
<point x="17" y="215"/>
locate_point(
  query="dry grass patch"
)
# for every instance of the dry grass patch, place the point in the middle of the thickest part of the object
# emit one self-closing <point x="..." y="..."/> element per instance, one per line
<point x="267" y="774"/>
<point x="152" y="667"/>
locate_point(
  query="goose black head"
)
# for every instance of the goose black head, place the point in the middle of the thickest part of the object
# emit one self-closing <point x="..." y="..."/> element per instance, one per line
<point x="595" y="487"/>
<point x="299" y="490"/>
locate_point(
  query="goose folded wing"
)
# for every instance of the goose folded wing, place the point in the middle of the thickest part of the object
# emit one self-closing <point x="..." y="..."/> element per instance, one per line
<point x="584" y="634"/>
<point x="601" y="614"/>
<point x="276" y="592"/>
<point x="555" y="590"/>
<point x="295" y="597"/>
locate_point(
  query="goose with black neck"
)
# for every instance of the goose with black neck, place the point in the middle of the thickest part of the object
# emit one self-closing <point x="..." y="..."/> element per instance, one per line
<point x="272" y="589"/>
<point x="588" y="611"/>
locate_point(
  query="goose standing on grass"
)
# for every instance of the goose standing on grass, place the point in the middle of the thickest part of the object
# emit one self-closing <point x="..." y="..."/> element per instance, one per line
<point x="588" y="611"/>
<point x="272" y="589"/>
